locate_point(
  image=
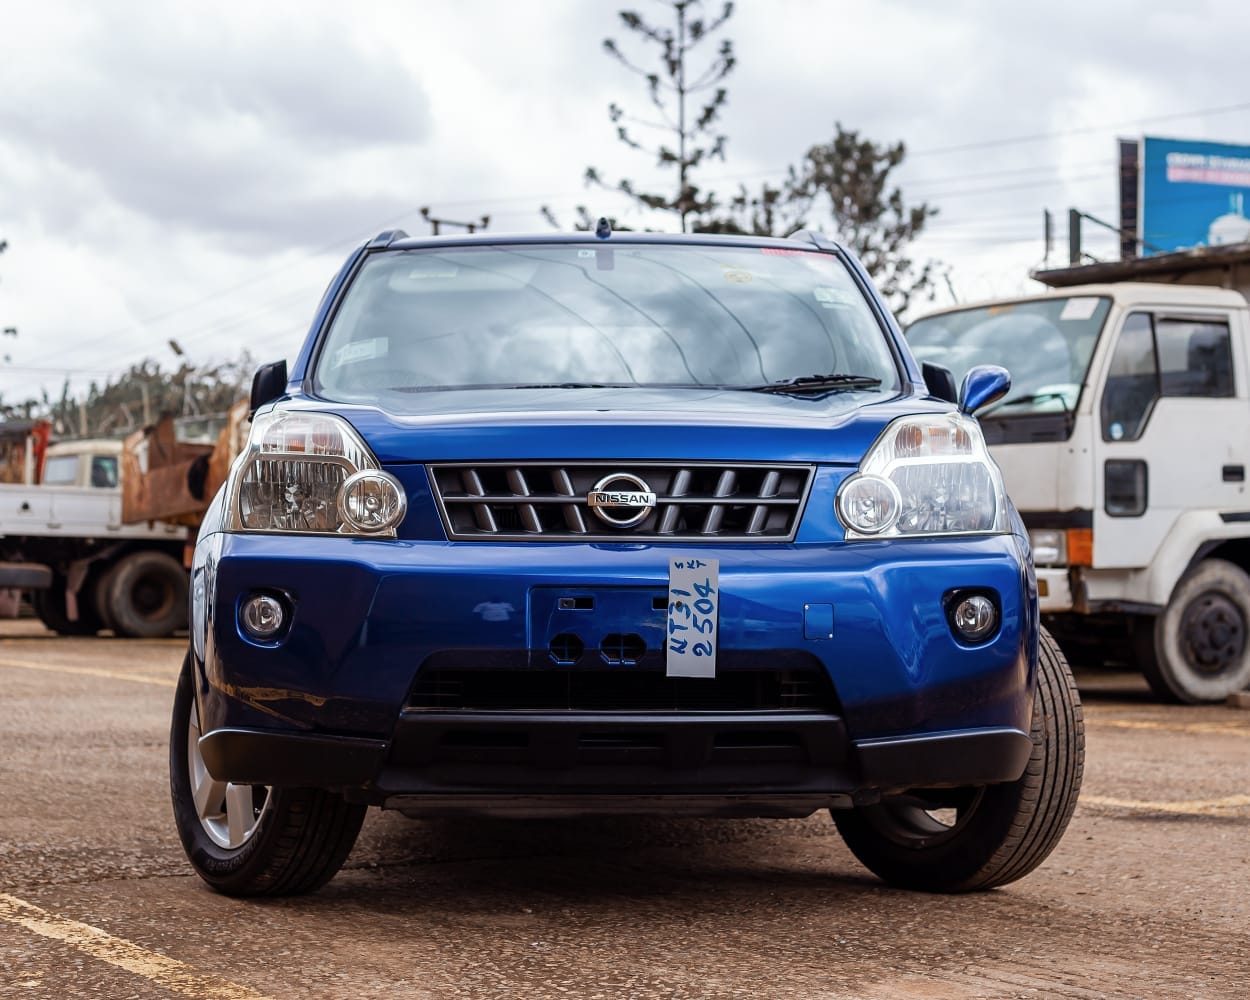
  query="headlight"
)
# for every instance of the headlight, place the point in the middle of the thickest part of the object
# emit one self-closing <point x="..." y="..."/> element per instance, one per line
<point x="929" y="475"/>
<point x="311" y="473"/>
<point x="1049" y="545"/>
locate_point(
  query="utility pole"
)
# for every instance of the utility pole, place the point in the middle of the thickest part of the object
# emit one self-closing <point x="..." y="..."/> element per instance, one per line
<point x="1076" y="254"/>
<point x="9" y="331"/>
<point x="436" y="224"/>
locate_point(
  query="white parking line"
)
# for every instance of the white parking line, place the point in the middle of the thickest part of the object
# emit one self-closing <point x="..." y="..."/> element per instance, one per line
<point x="1191" y="807"/>
<point x="167" y="972"/>
<point x="59" y="668"/>
<point x="1222" y="728"/>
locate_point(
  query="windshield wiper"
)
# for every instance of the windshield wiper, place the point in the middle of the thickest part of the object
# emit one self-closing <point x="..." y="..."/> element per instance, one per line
<point x="816" y="384"/>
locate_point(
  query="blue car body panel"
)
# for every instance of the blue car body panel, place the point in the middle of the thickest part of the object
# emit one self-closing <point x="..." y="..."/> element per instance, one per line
<point x="372" y="616"/>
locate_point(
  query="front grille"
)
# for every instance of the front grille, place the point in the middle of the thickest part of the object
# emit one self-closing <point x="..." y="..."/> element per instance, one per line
<point x="548" y="500"/>
<point x="621" y="691"/>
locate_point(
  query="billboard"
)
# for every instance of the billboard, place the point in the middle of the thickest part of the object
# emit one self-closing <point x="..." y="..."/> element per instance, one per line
<point x="1193" y="194"/>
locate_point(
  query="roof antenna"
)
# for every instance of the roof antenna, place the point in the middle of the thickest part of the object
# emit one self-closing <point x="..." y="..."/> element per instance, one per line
<point x="604" y="229"/>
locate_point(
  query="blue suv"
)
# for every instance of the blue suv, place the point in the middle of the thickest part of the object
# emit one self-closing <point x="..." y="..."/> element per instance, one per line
<point x="617" y="523"/>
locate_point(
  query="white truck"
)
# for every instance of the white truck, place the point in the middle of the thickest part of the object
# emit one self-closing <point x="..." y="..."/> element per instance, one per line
<point x="100" y="573"/>
<point x="1124" y="442"/>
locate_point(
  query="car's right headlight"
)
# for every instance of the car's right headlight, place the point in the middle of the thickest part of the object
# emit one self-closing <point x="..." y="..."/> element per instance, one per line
<point x="925" y="475"/>
<point x="310" y="473"/>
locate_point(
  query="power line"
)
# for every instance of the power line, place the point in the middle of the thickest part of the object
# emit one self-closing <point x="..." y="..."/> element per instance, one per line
<point x="1079" y="130"/>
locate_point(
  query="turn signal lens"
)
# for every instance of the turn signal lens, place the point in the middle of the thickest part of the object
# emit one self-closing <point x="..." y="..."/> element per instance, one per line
<point x="1080" y="547"/>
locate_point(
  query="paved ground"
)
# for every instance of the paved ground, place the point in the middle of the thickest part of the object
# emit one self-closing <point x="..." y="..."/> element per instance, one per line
<point x="1147" y="896"/>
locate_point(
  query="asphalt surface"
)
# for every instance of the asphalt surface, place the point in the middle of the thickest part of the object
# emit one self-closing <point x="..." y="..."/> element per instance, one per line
<point x="1148" y="895"/>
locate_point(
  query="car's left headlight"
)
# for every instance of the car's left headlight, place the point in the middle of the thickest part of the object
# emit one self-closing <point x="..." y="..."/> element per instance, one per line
<point x="310" y="473"/>
<point x="925" y="475"/>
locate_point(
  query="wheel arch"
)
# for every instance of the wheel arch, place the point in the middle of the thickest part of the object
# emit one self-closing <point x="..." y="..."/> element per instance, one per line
<point x="1195" y="535"/>
<point x="1233" y="550"/>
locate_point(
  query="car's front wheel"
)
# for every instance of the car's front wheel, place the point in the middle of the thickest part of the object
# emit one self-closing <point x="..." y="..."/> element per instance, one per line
<point x="252" y="840"/>
<point x="962" y="839"/>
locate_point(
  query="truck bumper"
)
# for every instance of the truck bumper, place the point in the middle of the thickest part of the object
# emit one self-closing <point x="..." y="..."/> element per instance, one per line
<point x="1054" y="590"/>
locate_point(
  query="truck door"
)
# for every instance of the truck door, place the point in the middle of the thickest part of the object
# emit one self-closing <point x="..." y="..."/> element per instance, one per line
<point x="1172" y="431"/>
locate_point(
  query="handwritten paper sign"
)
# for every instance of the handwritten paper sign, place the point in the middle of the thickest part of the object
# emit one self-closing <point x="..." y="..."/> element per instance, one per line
<point x="693" y="613"/>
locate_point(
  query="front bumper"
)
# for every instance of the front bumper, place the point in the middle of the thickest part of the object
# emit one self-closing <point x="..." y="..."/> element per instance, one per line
<point x="728" y="765"/>
<point x="333" y="702"/>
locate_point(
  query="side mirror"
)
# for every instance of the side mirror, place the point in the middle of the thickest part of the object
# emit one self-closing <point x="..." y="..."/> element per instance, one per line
<point x="268" y="384"/>
<point x="982" y="385"/>
<point x="939" y="381"/>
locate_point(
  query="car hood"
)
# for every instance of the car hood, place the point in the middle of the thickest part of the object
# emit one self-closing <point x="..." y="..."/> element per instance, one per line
<point x="642" y="423"/>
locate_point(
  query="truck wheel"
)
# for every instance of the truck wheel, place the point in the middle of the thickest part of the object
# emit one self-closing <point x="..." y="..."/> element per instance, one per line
<point x="962" y="839"/>
<point x="101" y="597"/>
<point x="1201" y="642"/>
<point x="49" y="607"/>
<point x="252" y="840"/>
<point x="147" y="595"/>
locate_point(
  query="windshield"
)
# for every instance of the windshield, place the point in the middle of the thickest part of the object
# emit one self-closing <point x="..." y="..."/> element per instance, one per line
<point x="1046" y="344"/>
<point x="574" y="315"/>
<point x="60" y="470"/>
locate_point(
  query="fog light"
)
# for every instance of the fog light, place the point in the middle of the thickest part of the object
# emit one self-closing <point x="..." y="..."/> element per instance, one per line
<point x="262" y="616"/>
<point x="975" y="618"/>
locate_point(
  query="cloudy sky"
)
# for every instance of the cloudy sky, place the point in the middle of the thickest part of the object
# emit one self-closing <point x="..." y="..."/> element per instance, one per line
<point x="197" y="171"/>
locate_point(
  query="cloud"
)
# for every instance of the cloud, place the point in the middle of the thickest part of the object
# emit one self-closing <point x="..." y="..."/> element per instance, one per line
<point x="199" y="169"/>
<point x="235" y="127"/>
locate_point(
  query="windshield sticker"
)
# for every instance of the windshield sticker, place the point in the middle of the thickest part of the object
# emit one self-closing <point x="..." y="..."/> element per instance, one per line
<point x="362" y="350"/>
<point x="1077" y="309"/>
<point x="831" y="298"/>
<point x="738" y="277"/>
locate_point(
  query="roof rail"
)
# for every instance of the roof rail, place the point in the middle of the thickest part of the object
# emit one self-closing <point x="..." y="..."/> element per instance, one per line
<point x="386" y="238"/>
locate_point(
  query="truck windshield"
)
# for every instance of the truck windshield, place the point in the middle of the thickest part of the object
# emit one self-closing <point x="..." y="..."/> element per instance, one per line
<point x="541" y="316"/>
<point x="60" y="470"/>
<point x="1046" y="344"/>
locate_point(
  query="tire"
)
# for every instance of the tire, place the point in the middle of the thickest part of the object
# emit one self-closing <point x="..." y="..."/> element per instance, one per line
<point x="101" y="591"/>
<point x="288" y="840"/>
<point x="25" y="576"/>
<point x="147" y="595"/>
<point x="965" y="839"/>
<point x="49" y="607"/>
<point x="1199" y="648"/>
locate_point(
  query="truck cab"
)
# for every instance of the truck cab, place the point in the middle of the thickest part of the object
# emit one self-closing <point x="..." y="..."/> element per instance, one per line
<point x="88" y="463"/>
<point x="1123" y="442"/>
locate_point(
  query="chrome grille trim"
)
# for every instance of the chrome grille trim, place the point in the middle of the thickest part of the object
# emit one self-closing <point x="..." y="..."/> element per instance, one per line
<point x="695" y="501"/>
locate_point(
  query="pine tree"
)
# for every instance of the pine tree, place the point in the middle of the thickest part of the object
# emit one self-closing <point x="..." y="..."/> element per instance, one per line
<point x="685" y="120"/>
